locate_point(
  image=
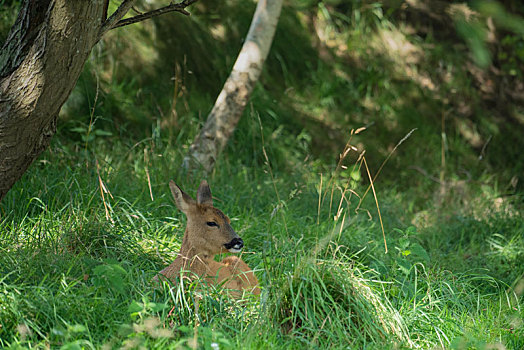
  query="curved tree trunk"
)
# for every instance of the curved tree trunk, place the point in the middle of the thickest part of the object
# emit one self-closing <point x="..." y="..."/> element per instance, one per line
<point x="40" y="63"/>
<point x="234" y="96"/>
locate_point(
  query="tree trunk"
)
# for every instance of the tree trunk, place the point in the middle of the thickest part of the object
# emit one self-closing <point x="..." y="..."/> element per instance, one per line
<point x="40" y="63"/>
<point x="234" y="96"/>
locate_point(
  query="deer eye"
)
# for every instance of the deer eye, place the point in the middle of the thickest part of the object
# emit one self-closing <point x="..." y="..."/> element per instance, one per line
<point x="212" y="224"/>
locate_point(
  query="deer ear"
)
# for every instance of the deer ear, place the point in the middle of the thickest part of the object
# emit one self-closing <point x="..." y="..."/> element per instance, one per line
<point x="204" y="194"/>
<point x="182" y="200"/>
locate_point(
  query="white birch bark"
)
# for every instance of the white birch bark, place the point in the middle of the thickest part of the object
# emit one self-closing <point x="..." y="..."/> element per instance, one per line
<point x="234" y="96"/>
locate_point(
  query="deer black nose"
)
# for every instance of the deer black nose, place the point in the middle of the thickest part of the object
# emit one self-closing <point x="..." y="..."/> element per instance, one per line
<point x="235" y="245"/>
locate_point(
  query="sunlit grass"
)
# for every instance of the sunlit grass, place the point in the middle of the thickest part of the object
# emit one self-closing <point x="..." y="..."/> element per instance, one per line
<point x="76" y="266"/>
<point x="85" y="230"/>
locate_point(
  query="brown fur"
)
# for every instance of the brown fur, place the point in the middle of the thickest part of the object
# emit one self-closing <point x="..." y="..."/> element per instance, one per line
<point x="202" y="242"/>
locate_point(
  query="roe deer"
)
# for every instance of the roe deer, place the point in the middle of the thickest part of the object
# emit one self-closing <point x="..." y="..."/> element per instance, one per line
<point x="209" y="232"/>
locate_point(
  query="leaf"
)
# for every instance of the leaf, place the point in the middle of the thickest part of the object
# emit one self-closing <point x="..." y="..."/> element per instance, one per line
<point x="403" y="243"/>
<point x="380" y="267"/>
<point x="57" y="331"/>
<point x="76" y="345"/>
<point x="99" y="132"/>
<point x="411" y="231"/>
<point x="110" y="275"/>
<point x="78" y="129"/>
<point x="156" y="307"/>
<point x="408" y="289"/>
<point x="404" y="266"/>
<point x="135" y="307"/>
<point x="76" y="328"/>
<point x="420" y="252"/>
<point x="475" y="37"/>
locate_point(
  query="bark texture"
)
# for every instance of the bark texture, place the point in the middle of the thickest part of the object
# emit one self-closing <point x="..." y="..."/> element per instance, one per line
<point x="234" y="96"/>
<point x="40" y="63"/>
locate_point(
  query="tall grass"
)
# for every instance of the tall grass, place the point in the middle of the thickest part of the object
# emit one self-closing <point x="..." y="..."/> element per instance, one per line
<point x="77" y="261"/>
<point x="89" y="225"/>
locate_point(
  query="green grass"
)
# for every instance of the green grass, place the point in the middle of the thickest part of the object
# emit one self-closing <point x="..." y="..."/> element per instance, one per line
<point x="75" y="267"/>
<point x="92" y="221"/>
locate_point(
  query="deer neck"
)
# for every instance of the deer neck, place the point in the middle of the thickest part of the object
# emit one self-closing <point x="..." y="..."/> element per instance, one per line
<point x="192" y="257"/>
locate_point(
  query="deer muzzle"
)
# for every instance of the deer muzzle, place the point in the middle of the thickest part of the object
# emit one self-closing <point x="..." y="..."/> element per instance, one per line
<point x="235" y="246"/>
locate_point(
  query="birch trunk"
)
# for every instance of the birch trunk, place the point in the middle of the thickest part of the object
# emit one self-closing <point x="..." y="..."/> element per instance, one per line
<point x="235" y="94"/>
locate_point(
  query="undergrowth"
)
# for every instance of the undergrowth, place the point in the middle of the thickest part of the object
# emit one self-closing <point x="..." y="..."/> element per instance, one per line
<point x="77" y="260"/>
<point x="430" y="256"/>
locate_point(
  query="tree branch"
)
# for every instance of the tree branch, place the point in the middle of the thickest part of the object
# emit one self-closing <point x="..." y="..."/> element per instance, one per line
<point x="116" y="16"/>
<point x="174" y="7"/>
<point x="104" y="14"/>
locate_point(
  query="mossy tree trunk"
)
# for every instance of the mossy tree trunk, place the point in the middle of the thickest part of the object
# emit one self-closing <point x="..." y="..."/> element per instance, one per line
<point x="233" y="98"/>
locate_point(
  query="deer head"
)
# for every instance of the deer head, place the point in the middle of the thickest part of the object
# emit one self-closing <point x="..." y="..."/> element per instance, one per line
<point x="208" y="230"/>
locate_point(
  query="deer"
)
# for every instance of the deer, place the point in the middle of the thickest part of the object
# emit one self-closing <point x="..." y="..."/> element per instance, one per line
<point x="208" y="233"/>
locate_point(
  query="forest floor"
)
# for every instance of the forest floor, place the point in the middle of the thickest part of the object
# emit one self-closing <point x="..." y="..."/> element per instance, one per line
<point x="430" y="257"/>
<point x="82" y="236"/>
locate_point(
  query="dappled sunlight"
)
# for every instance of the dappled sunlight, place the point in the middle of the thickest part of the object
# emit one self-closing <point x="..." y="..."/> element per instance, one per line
<point x="219" y="32"/>
<point x="405" y="58"/>
<point x="392" y="42"/>
<point x="375" y="177"/>
<point x="129" y="53"/>
<point x="518" y="115"/>
<point x="469" y="131"/>
<point x="460" y="10"/>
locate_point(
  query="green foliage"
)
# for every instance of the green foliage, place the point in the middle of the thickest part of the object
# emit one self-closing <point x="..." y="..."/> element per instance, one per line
<point x="109" y="275"/>
<point x="8" y="12"/>
<point x="475" y="35"/>
<point x="331" y="301"/>
<point x="89" y="225"/>
<point x="325" y="285"/>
